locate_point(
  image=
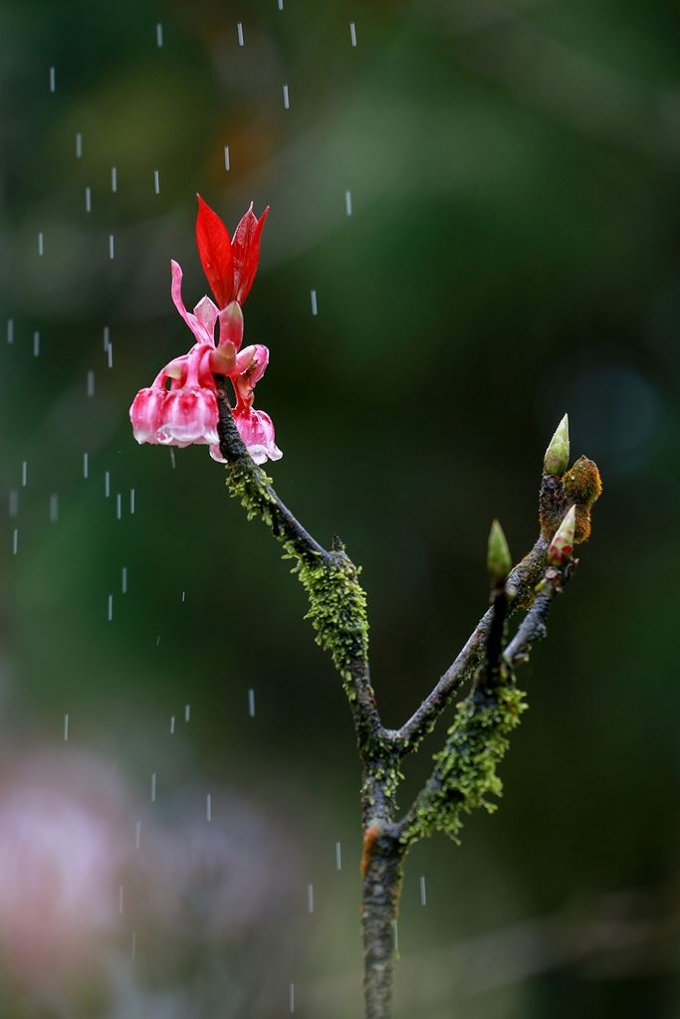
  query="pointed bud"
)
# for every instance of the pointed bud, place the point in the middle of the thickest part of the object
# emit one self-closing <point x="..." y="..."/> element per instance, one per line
<point x="498" y="561"/>
<point x="562" y="544"/>
<point x="231" y="324"/>
<point x="556" y="458"/>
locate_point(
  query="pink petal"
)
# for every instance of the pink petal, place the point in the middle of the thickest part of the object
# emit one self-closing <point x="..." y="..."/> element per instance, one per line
<point x="206" y="312"/>
<point x="251" y="365"/>
<point x="146" y="412"/>
<point x="189" y="416"/>
<point x="197" y="327"/>
<point x="256" y="429"/>
<point x="231" y="324"/>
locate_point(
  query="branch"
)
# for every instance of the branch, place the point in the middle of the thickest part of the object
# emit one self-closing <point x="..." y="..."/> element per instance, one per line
<point x="337" y="603"/>
<point x="533" y="627"/>
<point x="522" y="581"/>
<point x="465" y="771"/>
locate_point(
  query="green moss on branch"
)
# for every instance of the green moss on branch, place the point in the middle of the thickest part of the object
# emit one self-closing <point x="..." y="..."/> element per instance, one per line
<point x="466" y="770"/>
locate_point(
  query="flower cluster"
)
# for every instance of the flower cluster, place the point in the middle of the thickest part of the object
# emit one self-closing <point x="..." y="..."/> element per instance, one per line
<point x="180" y="407"/>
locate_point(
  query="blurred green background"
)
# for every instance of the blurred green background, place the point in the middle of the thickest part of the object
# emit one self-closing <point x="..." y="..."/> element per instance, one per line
<point x="512" y="253"/>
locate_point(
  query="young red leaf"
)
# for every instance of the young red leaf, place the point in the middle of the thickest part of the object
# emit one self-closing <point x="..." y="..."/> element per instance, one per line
<point x="214" y="249"/>
<point x="246" y="252"/>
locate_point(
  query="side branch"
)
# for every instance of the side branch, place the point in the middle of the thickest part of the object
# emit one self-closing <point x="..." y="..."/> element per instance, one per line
<point x="337" y="603"/>
<point x="533" y="626"/>
<point x="522" y="581"/>
<point x="466" y="770"/>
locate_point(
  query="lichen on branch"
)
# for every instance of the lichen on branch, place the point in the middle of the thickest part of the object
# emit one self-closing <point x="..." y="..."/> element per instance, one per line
<point x="466" y="770"/>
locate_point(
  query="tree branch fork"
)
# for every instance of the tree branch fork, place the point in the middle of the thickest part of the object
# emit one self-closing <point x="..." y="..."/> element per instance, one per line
<point x="464" y="772"/>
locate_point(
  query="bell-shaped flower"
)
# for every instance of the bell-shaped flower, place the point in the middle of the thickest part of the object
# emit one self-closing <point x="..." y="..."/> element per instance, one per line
<point x="180" y="408"/>
<point x="256" y="429"/>
<point x="230" y="264"/>
<point x="145" y="413"/>
<point x="189" y="412"/>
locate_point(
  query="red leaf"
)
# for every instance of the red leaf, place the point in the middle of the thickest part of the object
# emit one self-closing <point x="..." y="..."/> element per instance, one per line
<point x="215" y="252"/>
<point x="246" y="252"/>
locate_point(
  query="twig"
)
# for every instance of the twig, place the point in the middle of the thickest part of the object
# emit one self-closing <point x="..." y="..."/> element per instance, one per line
<point x="466" y="769"/>
<point x="522" y="581"/>
<point x="533" y="626"/>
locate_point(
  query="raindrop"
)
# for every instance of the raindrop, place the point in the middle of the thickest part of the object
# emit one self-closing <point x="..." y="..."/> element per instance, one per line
<point x="310" y="898"/>
<point x="187" y="712"/>
<point x="90" y="383"/>
<point x="132" y="500"/>
<point x="41" y="244"/>
<point x="120" y="900"/>
<point x="281" y="8"/>
<point x="338" y="856"/>
<point x="15" y="541"/>
<point x="251" y="703"/>
<point x="173" y="462"/>
<point x="286" y="99"/>
<point x="10" y="330"/>
<point x="109" y="356"/>
<point x="172" y="725"/>
<point x="53" y="79"/>
<point x="24" y="474"/>
<point x="107" y="484"/>
<point x="159" y="35"/>
<point x="112" y="249"/>
<point x="119" y="506"/>
<point x="66" y="728"/>
<point x="423" y="891"/>
<point x="138" y="834"/>
<point x="208" y="807"/>
<point x="183" y="596"/>
<point x="54" y="508"/>
<point x="88" y="199"/>
<point x="86" y="466"/>
<point x="36" y="343"/>
<point x="106" y="337"/>
<point x="315" y="309"/>
<point x="79" y="146"/>
<point x="110" y="608"/>
<point x="227" y="164"/>
<point x="153" y="787"/>
<point x="114" y="179"/>
<point x="353" y="33"/>
<point x="123" y="580"/>
<point x="291" y="989"/>
<point x="239" y="28"/>
<point x="348" y="202"/>
<point x="157" y="181"/>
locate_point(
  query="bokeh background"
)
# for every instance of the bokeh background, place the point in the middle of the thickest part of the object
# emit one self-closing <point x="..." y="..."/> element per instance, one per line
<point x="511" y="253"/>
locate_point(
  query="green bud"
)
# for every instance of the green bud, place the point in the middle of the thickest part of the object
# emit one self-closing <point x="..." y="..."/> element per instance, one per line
<point x="498" y="561"/>
<point x="556" y="458"/>
<point x="562" y="544"/>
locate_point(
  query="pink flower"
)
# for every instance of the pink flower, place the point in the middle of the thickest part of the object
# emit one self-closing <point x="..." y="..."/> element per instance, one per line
<point x="180" y="408"/>
<point x="145" y="413"/>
